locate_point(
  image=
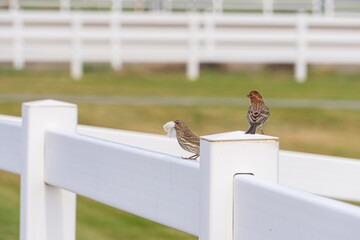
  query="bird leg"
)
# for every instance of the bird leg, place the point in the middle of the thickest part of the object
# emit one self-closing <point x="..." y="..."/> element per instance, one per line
<point x="193" y="157"/>
<point x="262" y="131"/>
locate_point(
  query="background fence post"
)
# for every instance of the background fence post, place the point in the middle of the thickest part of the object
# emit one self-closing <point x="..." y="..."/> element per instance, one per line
<point x="193" y="65"/>
<point x="268" y="7"/>
<point x="301" y="64"/>
<point x="65" y="5"/>
<point x="14" y="4"/>
<point x="329" y="8"/>
<point x="217" y="6"/>
<point x="46" y="212"/>
<point x="116" y="5"/>
<point x="222" y="157"/>
<point x="209" y="26"/>
<point x="18" y="42"/>
<point x="76" y="53"/>
<point x="115" y="25"/>
<point x="316" y="6"/>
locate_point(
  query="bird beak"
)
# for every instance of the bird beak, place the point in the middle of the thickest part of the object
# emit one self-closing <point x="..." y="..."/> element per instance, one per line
<point x="248" y="95"/>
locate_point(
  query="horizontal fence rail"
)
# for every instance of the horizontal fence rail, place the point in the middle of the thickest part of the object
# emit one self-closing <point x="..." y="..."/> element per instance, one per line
<point x="152" y="185"/>
<point x="322" y="175"/>
<point x="11" y="144"/>
<point x="153" y="142"/>
<point x="315" y="173"/>
<point x="189" y="38"/>
<point x="270" y="211"/>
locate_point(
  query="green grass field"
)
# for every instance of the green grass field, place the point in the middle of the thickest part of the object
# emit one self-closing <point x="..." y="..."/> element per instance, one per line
<point x="330" y="132"/>
<point x="100" y="80"/>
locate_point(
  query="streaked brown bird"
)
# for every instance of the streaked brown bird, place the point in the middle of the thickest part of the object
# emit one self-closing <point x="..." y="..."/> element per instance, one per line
<point x="187" y="140"/>
<point x="258" y="112"/>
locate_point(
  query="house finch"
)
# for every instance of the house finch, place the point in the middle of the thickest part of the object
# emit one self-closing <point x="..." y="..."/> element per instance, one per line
<point x="258" y="112"/>
<point x="187" y="140"/>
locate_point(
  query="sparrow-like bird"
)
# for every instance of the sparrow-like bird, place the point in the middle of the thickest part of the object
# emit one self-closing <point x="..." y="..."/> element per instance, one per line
<point x="187" y="140"/>
<point x="258" y="112"/>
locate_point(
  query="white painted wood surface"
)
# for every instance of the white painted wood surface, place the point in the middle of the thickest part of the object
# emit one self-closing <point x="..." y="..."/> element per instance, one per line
<point x="264" y="210"/>
<point x="222" y="157"/>
<point x="153" y="185"/>
<point x="149" y="141"/>
<point x="191" y="38"/>
<point x="46" y="212"/>
<point x="318" y="174"/>
<point x="329" y="176"/>
<point x="11" y="151"/>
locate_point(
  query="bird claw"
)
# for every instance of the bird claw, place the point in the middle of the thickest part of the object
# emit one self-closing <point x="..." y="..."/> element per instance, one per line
<point x="194" y="157"/>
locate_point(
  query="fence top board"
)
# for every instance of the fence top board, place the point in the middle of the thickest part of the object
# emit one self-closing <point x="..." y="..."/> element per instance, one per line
<point x="272" y="212"/>
<point x="236" y="136"/>
<point x="153" y="185"/>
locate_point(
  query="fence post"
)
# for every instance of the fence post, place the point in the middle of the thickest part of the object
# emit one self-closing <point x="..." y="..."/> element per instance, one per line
<point x="18" y="42"/>
<point x="316" y="6"/>
<point x="14" y="4"/>
<point x="65" y="5"/>
<point x="210" y="33"/>
<point x="76" y="52"/>
<point x="222" y="157"/>
<point x="329" y="8"/>
<point x="46" y="212"/>
<point x="168" y="5"/>
<point x="268" y="7"/>
<point x="301" y="64"/>
<point x="193" y="65"/>
<point x="116" y="5"/>
<point x="217" y="6"/>
<point x="116" y="62"/>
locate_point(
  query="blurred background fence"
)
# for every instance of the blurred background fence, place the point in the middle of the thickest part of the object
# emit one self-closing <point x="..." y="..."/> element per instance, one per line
<point x="79" y="37"/>
<point x="329" y="7"/>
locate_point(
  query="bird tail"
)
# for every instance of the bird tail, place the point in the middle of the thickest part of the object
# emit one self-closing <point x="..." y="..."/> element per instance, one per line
<point x="252" y="129"/>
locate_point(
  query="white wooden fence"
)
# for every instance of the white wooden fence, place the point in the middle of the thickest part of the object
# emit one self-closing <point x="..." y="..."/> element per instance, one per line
<point x="216" y="198"/>
<point x="193" y="38"/>
<point x="328" y="7"/>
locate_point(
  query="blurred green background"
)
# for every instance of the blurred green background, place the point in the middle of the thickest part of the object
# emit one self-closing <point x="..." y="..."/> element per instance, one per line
<point x="326" y="131"/>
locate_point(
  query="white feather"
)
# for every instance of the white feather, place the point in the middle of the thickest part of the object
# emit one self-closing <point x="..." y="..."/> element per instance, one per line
<point x="169" y="127"/>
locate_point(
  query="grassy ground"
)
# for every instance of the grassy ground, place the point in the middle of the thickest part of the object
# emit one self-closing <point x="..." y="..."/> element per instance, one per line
<point x="331" y="132"/>
<point x="99" y="80"/>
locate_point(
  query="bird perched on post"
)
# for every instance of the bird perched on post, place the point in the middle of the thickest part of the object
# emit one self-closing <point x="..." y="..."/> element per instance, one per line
<point x="187" y="140"/>
<point x="258" y="112"/>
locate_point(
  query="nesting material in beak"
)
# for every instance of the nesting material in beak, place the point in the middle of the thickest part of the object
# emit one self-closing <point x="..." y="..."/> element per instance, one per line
<point x="169" y="127"/>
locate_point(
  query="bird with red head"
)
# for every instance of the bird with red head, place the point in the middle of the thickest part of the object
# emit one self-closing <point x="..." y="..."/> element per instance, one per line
<point x="258" y="112"/>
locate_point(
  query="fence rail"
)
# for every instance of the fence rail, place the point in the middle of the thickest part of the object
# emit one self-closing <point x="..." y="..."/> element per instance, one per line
<point x="149" y="184"/>
<point x="287" y="213"/>
<point x="103" y="37"/>
<point x="144" y="175"/>
<point x="10" y="146"/>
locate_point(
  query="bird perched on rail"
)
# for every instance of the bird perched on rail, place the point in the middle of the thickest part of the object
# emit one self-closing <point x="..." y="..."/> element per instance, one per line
<point x="258" y="112"/>
<point x="187" y="140"/>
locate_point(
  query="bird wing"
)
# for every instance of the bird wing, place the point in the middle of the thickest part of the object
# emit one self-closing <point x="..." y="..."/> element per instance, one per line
<point x="192" y="137"/>
<point x="258" y="116"/>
